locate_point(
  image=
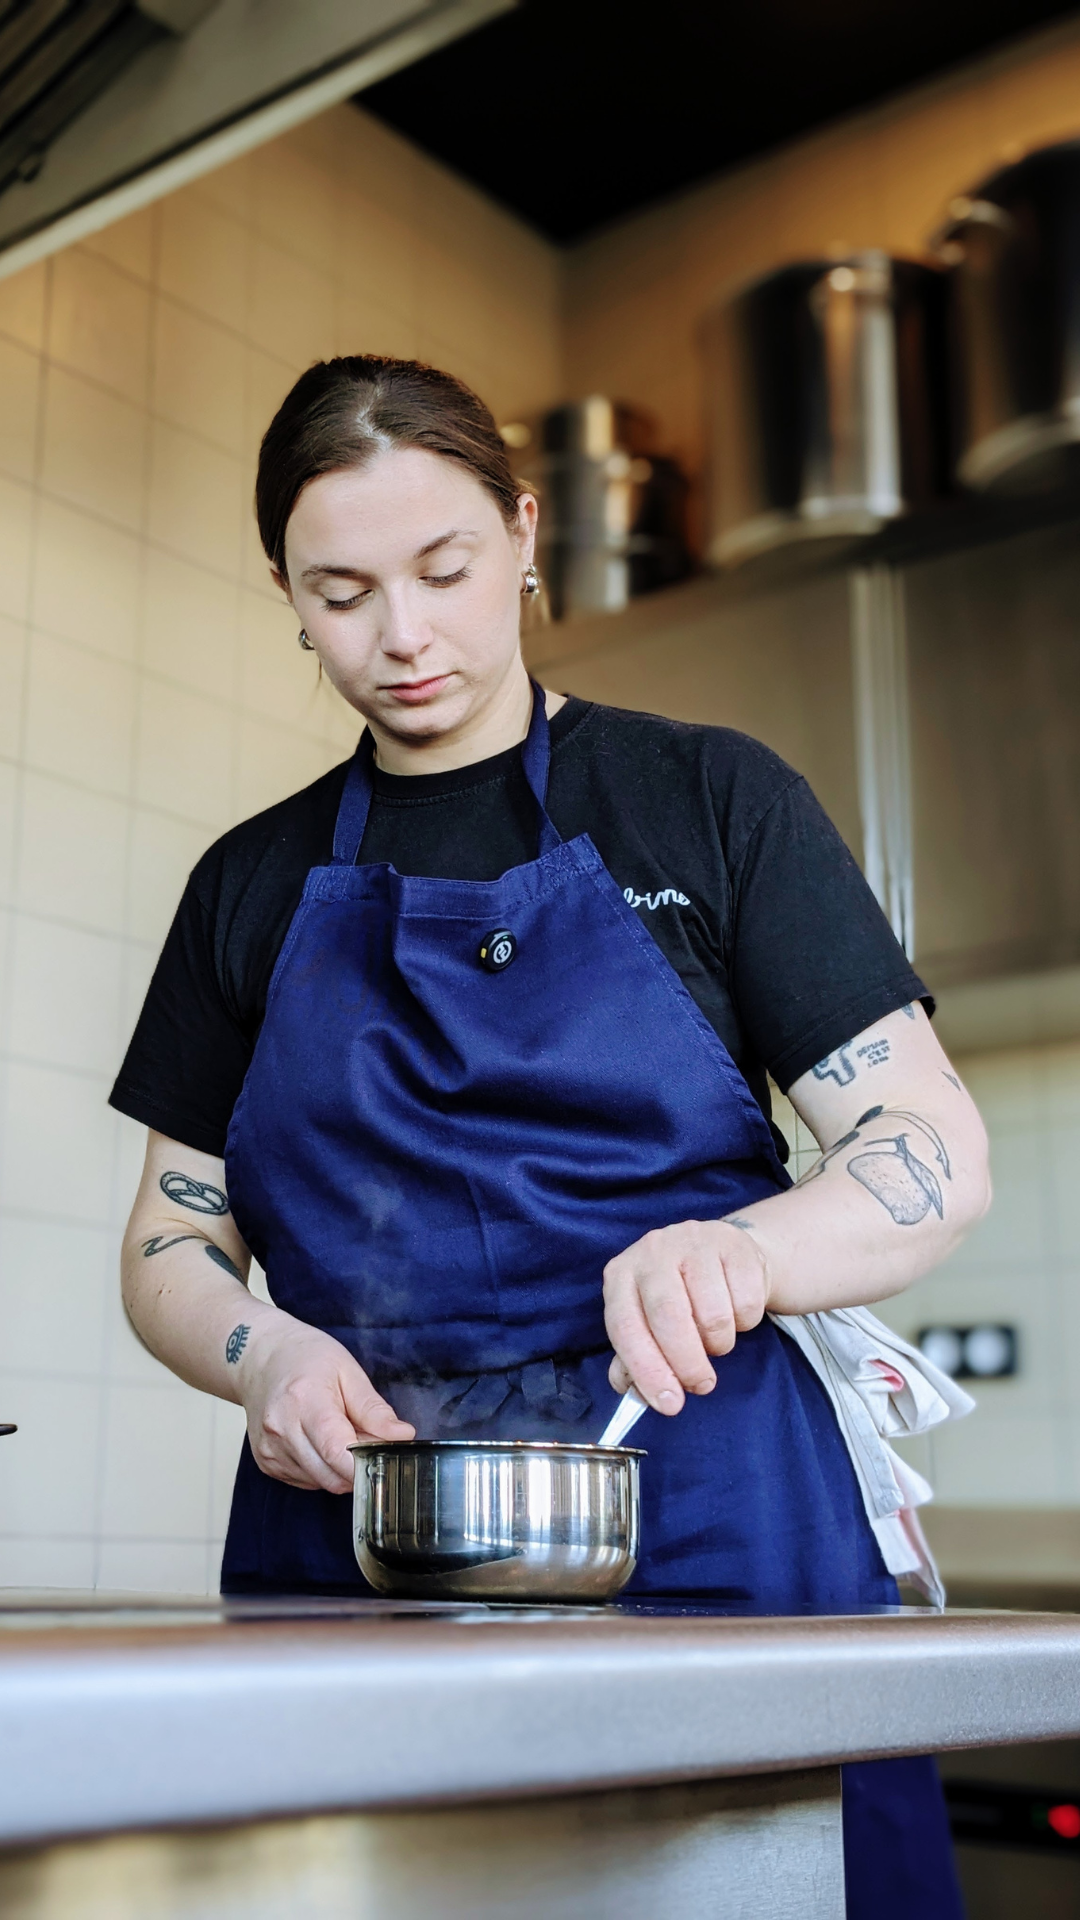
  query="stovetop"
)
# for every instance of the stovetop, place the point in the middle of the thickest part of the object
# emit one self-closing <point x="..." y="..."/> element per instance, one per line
<point x="38" y="1608"/>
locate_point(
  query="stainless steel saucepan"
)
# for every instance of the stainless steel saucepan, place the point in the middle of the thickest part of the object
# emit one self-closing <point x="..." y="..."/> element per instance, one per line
<point x="526" y="1520"/>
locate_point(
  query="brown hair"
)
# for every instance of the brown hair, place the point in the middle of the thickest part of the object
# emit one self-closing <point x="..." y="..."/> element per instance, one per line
<point x="341" y="412"/>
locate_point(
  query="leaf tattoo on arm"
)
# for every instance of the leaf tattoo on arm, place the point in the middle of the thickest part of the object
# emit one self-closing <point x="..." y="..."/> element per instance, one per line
<point x="221" y="1259"/>
<point x="197" y="1195"/>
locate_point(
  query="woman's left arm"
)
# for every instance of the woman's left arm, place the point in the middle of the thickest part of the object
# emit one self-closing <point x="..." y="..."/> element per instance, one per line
<point x="902" y="1176"/>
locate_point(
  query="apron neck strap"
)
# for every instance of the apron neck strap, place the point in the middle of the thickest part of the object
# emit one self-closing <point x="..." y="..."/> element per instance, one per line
<point x="536" y="762"/>
<point x="356" y="797"/>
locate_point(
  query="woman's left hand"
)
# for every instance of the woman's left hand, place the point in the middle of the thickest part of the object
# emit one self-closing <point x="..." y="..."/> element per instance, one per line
<point x="675" y="1297"/>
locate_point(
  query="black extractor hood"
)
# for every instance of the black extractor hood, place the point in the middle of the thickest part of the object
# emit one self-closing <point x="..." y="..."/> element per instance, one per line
<point x="105" y="104"/>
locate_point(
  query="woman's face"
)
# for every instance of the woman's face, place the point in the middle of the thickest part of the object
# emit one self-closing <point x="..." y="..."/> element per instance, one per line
<point x="408" y="582"/>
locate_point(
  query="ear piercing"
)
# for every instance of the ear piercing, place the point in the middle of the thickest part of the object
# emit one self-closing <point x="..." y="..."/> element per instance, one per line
<point x="305" y="643"/>
<point x="530" y="581"/>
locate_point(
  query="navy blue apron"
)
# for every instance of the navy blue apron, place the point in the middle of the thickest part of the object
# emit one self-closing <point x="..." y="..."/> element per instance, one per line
<point x="433" y="1157"/>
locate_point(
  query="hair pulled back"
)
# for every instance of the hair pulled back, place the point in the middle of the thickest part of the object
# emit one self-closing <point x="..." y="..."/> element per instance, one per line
<point x="342" y="412"/>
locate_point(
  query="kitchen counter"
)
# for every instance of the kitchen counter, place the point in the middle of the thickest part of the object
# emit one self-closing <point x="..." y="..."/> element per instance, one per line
<point x="146" y="1716"/>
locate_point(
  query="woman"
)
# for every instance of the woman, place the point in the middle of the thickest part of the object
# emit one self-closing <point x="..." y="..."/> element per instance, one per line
<point x="467" y="1044"/>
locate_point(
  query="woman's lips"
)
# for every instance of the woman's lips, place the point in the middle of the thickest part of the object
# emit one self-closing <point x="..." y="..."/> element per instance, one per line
<point x="412" y="692"/>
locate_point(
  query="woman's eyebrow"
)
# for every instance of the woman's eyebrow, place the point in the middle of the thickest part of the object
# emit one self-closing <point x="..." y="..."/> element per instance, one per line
<point x="335" y="573"/>
<point x="444" y="539"/>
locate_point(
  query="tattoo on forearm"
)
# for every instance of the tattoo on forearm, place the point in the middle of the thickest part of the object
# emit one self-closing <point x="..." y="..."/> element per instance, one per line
<point x="217" y="1254"/>
<point x="235" y="1344"/>
<point x="952" y="1077"/>
<point x="931" y="1133"/>
<point x="836" y="1066"/>
<point x="840" y="1067"/>
<point x="889" y="1169"/>
<point x="733" y="1220"/>
<point x="848" y="1139"/>
<point x="903" y="1183"/>
<point x="198" y="1195"/>
<point x="875" y="1052"/>
<point x="221" y="1259"/>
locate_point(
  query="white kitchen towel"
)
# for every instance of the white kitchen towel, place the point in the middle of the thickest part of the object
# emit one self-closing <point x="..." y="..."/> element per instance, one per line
<point x="881" y="1387"/>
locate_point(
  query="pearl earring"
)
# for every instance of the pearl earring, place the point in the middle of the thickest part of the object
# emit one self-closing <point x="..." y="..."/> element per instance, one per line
<point x="305" y="642"/>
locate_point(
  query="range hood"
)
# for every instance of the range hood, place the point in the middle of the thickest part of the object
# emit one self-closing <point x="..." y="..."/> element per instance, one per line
<point x="107" y="104"/>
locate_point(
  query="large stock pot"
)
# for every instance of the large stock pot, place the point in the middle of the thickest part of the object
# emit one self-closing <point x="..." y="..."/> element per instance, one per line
<point x="1013" y="248"/>
<point x="827" y="406"/>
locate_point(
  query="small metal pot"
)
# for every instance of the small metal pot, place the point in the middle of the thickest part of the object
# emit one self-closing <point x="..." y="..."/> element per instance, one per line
<point x="527" y="1520"/>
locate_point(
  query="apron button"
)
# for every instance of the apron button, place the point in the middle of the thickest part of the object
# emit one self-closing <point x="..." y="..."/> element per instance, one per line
<point x="497" y="949"/>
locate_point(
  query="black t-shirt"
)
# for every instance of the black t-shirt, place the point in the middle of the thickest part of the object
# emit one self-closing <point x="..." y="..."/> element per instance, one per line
<point x="721" y="848"/>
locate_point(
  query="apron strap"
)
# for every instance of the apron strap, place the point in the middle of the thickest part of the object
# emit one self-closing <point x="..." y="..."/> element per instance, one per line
<point x="536" y="761"/>
<point x="355" y="805"/>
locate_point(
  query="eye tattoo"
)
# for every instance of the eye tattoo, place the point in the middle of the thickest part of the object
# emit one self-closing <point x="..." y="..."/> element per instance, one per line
<point x="235" y="1344"/>
<point x="197" y="1195"/>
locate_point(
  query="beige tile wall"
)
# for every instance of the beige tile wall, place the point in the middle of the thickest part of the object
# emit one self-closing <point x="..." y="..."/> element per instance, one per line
<point x="151" y="694"/>
<point x="636" y="293"/>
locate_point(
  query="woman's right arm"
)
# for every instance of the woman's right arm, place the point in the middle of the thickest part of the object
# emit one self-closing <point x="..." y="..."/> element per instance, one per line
<point x="185" y="1272"/>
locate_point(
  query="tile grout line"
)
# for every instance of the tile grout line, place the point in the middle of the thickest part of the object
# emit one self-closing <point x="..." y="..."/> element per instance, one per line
<point x="10" y="932"/>
<point x="124" y="969"/>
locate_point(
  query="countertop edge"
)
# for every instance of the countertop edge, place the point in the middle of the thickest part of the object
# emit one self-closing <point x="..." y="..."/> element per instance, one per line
<point x="243" y="1724"/>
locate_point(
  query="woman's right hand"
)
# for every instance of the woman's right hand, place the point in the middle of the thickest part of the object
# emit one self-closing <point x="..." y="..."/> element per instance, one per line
<point x="307" y="1401"/>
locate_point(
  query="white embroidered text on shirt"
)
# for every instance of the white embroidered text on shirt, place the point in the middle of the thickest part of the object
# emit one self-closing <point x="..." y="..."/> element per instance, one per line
<point x="667" y="897"/>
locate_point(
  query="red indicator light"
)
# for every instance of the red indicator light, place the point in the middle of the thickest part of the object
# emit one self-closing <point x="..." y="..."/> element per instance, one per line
<point x="1065" y="1821"/>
